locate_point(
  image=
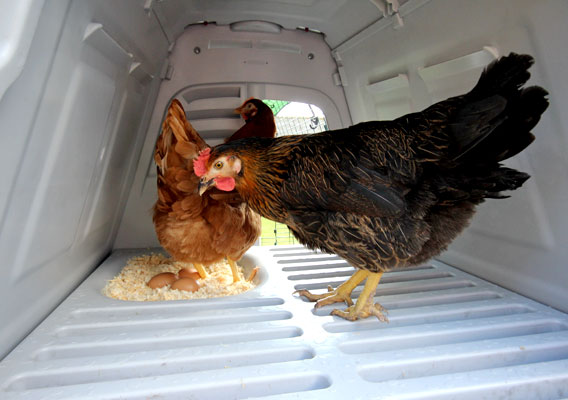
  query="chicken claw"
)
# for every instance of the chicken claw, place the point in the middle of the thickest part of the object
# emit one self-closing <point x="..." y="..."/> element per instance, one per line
<point x="332" y="296"/>
<point x="364" y="307"/>
<point x="352" y="314"/>
<point x="342" y="293"/>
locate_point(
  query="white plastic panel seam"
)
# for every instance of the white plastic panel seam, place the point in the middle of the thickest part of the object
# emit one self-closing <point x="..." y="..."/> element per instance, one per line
<point x="398" y="82"/>
<point x="391" y="97"/>
<point x="19" y="108"/>
<point x="57" y="185"/>
<point x="475" y="60"/>
<point x="405" y="9"/>
<point x="97" y="207"/>
<point x="456" y="76"/>
<point x="60" y="253"/>
<point x="18" y="22"/>
<point x="96" y="36"/>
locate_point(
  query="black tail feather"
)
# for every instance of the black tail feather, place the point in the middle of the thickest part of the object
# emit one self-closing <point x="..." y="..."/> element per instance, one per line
<point x="476" y="185"/>
<point x="498" y="114"/>
<point x="504" y="76"/>
<point x="491" y="123"/>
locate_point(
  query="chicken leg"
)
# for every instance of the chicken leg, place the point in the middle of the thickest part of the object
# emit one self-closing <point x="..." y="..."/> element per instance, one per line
<point x="234" y="270"/>
<point x="200" y="270"/>
<point x="342" y="293"/>
<point x="364" y="307"/>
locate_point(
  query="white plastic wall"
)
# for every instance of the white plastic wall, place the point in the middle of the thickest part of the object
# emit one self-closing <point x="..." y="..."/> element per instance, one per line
<point x="213" y="70"/>
<point x="81" y="102"/>
<point x="69" y="121"/>
<point x="519" y="243"/>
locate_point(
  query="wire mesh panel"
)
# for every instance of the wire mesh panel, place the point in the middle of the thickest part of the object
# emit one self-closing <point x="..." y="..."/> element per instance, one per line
<point x="274" y="233"/>
<point x="292" y="118"/>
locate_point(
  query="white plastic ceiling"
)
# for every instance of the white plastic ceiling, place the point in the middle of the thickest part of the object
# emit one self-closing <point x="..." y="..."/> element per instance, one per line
<point x="337" y="19"/>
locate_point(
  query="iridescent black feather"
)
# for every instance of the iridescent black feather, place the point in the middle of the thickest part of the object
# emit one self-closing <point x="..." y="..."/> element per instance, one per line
<point x="388" y="194"/>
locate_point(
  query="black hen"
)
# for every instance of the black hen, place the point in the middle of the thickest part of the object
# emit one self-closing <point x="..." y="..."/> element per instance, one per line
<point x="388" y="194"/>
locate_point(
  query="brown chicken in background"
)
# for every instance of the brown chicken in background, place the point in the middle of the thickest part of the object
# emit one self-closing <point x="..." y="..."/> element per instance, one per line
<point x="202" y="229"/>
<point x="388" y="194"/>
<point x="259" y="121"/>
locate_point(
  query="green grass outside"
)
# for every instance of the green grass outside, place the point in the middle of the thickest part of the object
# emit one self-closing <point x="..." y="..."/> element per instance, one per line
<point x="274" y="233"/>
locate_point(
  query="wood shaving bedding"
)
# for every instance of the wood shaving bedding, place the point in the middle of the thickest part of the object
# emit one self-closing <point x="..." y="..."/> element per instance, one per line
<point x="131" y="283"/>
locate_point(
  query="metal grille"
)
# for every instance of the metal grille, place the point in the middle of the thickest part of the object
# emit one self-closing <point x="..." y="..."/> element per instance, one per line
<point x="450" y="336"/>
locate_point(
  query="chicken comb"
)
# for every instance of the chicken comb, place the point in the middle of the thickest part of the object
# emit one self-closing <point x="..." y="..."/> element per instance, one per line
<point x="199" y="164"/>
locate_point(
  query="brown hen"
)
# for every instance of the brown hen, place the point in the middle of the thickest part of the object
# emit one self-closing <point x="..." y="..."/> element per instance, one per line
<point x="388" y="194"/>
<point x="259" y="121"/>
<point x="201" y="229"/>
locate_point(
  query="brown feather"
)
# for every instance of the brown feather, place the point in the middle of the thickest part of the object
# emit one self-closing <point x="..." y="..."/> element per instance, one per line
<point x="261" y="125"/>
<point x="190" y="227"/>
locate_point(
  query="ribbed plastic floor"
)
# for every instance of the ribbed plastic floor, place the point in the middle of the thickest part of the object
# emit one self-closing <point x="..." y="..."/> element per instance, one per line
<point x="450" y="336"/>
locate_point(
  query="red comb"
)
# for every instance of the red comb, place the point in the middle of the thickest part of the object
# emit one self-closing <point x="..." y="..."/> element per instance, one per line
<point x="199" y="164"/>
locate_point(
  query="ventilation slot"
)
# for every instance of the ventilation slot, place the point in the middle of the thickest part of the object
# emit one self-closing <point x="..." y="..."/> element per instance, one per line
<point x="503" y="323"/>
<point x="421" y="299"/>
<point x="211" y="93"/>
<point x="167" y="340"/>
<point x="292" y="248"/>
<point x="280" y="46"/>
<point x="341" y="265"/>
<point x="211" y="110"/>
<point x="311" y="259"/>
<point x="230" y="44"/>
<point x="152" y="365"/>
<point x="391" y="277"/>
<point x="218" y="107"/>
<point x="430" y="310"/>
<point x="298" y="253"/>
<point x="322" y="275"/>
<point x="467" y="357"/>
<point x="263" y="386"/>
<point x="396" y="287"/>
<point x="544" y="380"/>
<point x="159" y="322"/>
<point x="173" y="307"/>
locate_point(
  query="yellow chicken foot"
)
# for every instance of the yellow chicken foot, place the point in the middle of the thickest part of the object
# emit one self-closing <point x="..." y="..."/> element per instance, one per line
<point x="364" y="307"/>
<point x="200" y="270"/>
<point x="234" y="270"/>
<point x="342" y="293"/>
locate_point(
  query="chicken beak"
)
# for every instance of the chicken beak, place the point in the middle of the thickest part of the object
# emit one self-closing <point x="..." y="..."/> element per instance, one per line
<point x="240" y="111"/>
<point x="204" y="185"/>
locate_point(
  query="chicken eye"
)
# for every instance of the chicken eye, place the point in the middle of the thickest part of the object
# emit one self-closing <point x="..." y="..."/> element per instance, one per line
<point x="218" y="165"/>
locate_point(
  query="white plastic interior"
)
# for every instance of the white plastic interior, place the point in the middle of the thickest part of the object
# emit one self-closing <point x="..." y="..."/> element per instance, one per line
<point x="450" y="336"/>
<point x="84" y="86"/>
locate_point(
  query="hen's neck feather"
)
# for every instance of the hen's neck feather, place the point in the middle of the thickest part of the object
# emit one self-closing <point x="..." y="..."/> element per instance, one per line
<point x="265" y="168"/>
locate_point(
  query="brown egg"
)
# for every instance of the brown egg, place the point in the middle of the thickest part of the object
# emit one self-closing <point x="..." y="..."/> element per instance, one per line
<point x="161" y="280"/>
<point x="187" y="284"/>
<point x="189" y="273"/>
